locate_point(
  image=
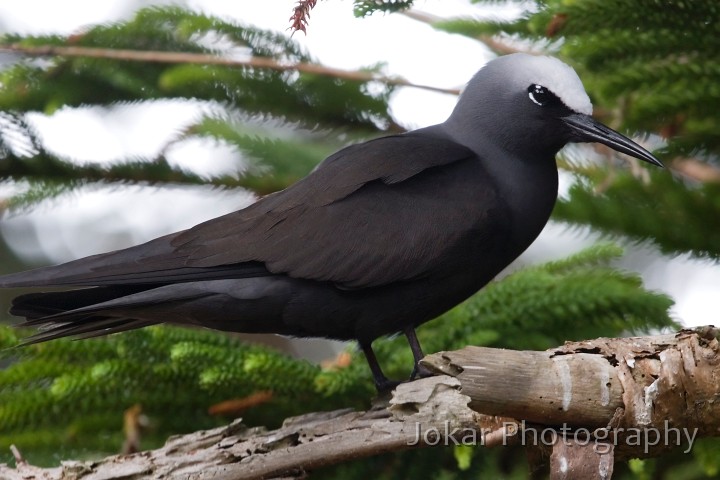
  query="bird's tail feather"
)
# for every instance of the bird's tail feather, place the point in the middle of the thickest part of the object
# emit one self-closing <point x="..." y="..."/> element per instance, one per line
<point x="78" y="313"/>
<point x="42" y="304"/>
<point x="93" y="327"/>
<point x="90" y="312"/>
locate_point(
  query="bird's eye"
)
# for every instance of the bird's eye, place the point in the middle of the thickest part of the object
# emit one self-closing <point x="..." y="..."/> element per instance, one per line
<point x="540" y="95"/>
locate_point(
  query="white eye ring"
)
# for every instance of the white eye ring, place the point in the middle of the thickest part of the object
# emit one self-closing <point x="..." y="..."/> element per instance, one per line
<point x="532" y="97"/>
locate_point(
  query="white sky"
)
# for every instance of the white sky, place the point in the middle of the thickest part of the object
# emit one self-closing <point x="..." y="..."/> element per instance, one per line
<point x="96" y="220"/>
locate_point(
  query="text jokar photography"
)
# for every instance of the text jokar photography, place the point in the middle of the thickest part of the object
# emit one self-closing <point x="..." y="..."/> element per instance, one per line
<point x="520" y="433"/>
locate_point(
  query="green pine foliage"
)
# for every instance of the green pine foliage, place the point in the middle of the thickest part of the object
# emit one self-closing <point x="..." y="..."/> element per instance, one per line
<point x="276" y="117"/>
<point x="624" y="204"/>
<point x="364" y="8"/>
<point x="66" y="392"/>
<point x="272" y="162"/>
<point x="301" y="98"/>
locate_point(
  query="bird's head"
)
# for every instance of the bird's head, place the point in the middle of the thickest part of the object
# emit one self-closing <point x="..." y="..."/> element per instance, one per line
<point x="532" y="105"/>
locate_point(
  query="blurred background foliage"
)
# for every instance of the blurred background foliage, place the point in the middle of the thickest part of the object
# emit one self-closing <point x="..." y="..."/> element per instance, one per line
<point x="650" y="66"/>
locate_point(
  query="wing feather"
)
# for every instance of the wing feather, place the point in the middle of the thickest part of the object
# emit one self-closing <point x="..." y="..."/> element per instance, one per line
<point x="382" y="211"/>
<point x="372" y="214"/>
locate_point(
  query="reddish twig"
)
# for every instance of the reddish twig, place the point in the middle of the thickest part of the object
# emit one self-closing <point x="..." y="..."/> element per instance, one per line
<point x="301" y="15"/>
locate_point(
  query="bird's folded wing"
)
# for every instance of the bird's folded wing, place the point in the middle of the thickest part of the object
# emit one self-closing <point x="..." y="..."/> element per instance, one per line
<point x="382" y="211"/>
<point x="387" y="210"/>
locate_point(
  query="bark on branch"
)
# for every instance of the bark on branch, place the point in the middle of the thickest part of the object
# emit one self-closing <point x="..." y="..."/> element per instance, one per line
<point x="610" y="390"/>
<point x="208" y="59"/>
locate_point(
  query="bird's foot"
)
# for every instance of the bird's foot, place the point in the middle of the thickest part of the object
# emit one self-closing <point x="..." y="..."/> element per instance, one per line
<point x="386" y="385"/>
<point x="420" y="371"/>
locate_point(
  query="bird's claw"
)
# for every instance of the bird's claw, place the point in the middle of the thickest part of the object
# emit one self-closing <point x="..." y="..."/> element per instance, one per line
<point x="420" y="371"/>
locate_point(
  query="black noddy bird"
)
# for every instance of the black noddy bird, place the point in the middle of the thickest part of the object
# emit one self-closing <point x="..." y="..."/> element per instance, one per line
<point x="381" y="237"/>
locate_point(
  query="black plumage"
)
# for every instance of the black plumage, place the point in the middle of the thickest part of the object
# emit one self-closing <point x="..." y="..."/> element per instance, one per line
<point x="381" y="237"/>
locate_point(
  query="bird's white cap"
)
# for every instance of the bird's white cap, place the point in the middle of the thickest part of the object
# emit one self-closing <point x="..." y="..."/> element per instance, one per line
<point x="551" y="73"/>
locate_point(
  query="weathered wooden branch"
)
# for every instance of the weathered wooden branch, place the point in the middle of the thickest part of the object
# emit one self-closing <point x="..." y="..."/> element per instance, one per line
<point x="583" y="406"/>
<point x="303" y="443"/>
<point x="607" y="386"/>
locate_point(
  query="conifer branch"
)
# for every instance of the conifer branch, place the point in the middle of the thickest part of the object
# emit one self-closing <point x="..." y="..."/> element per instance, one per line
<point x="205" y="59"/>
<point x="490" y="41"/>
<point x="697" y="170"/>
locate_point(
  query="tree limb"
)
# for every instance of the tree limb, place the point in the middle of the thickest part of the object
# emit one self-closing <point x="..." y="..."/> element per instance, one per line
<point x="303" y="443"/>
<point x="591" y="397"/>
<point x="207" y="59"/>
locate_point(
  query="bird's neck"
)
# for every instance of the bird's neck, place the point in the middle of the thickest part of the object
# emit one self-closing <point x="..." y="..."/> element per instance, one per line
<point x="527" y="182"/>
<point x="530" y="190"/>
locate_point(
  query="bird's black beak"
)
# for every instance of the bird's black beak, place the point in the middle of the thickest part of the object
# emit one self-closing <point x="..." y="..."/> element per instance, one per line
<point x="587" y="129"/>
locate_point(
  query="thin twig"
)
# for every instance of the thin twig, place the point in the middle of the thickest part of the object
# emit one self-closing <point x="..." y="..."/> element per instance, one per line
<point x="490" y="41"/>
<point x="19" y="459"/>
<point x="205" y="59"/>
<point x="696" y="169"/>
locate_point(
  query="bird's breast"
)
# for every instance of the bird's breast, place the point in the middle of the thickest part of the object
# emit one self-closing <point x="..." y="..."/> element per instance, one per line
<point x="529" y="197"/>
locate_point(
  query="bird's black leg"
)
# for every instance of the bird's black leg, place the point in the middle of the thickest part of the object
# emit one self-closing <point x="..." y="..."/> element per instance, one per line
<point x="382" y="383"/>
<point x="418" y="370"/>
